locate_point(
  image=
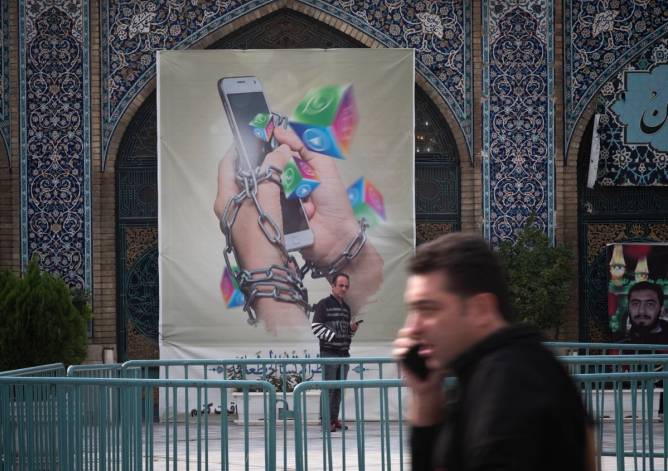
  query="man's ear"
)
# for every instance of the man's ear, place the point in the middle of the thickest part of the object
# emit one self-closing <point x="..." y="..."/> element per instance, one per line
<point x="484" y="307"/>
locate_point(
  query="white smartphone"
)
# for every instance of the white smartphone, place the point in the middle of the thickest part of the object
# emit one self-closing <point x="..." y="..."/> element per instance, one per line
<point x="243" y="98"/>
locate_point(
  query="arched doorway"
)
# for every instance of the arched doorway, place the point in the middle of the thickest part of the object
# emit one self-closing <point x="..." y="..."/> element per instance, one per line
<point x="608" y="214"/>
<point x="137" y="236"/>
<point x="437" y="179"/>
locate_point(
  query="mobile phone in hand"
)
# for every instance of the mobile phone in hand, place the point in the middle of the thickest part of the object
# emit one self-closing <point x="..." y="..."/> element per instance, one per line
<point x="414" y="363"/>
<point x="243" y="98"/>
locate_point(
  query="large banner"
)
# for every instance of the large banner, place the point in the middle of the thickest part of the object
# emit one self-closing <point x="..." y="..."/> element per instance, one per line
<point x="339" y="126"/>
<point x="637" y="292"/>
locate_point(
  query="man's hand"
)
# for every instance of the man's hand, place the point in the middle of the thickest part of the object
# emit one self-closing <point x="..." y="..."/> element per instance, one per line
<point x="253" y="248"/>
<point x="428" y="399"/>
<point x="334" y="225"/>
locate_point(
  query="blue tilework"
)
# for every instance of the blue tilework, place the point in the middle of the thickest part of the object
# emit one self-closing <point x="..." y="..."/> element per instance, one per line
<point x="518" y="116"/>
<point x="54" y="81"/>
<point x="622" y="164"/>
<point x="4" y="76"/>
<point x="440" y="31"/>
<point x="599" y="38"/>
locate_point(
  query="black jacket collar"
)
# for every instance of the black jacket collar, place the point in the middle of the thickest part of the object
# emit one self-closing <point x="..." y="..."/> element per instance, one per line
<point x="513" y="334"/>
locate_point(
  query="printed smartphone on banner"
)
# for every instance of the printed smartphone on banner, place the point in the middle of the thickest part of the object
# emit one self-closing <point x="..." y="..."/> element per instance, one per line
<point x="243" y="100"/>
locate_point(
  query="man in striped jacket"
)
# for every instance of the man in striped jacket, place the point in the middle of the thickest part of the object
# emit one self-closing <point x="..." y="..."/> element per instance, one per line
<point x="332" y="325"/>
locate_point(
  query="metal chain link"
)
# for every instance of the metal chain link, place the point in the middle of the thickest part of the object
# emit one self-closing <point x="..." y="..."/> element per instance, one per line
<point x="282" y="283"/>
<point x="350" y="252"/>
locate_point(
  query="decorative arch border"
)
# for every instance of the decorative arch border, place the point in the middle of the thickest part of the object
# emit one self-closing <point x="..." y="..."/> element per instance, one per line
<point x="4" y="80"/>
<point x="455" y="90"/>
<point x="589" y="108"/>
<point x="581" y="89"/>
<point x="467" y="170"/>
<point x="569" y="185"/>
<point x="105" y="189"/>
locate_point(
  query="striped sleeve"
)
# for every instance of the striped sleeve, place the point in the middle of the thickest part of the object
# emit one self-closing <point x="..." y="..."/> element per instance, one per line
<point x="322" y="332"/>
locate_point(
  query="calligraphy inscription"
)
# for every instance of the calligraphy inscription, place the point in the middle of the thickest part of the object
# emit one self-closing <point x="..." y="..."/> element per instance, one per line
<point x="643" y="107"/>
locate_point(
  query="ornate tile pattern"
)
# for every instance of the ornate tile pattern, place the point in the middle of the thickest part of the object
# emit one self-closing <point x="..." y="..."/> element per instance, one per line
<point x="600" y="37"/>
<point x="518" y="116"/>
<point x="440" y="31"/>
<point x="626" y="164"/>
<point x="55" y="137"/>
<point x="4" y="76"/>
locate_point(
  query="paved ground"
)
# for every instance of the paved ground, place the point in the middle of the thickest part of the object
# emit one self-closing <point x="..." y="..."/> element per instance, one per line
<point x="381" y="449"/>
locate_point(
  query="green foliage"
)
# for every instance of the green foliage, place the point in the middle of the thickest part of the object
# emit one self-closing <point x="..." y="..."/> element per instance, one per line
<point x="540" y="276"/>
<point x="41" y="321"/>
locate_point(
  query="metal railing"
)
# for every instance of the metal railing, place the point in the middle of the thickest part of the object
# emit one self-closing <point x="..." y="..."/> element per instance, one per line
<point x="583" y="348"/>
<point x="636" y="434"/>
<point x="123" y="417"/>
<point x="389" y="442"/>
<point x="52" y="370"/>
<point x="98" y="370"/>
<point x="102" y="423"/>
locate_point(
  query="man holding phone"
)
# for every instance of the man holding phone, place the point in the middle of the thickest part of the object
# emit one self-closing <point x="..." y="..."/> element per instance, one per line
<point x="333" y="326"/>
<point x="514" y="407"/>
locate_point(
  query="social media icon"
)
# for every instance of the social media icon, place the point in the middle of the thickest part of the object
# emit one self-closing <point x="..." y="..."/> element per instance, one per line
<point x="353" y="194"/>
<point x="289" y="176"/>
<point x="303" y="191"/>
<point x="316" y="139"/>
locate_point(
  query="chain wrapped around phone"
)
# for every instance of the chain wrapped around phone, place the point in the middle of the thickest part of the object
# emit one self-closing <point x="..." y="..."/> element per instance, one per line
<point x="244" y="102"/>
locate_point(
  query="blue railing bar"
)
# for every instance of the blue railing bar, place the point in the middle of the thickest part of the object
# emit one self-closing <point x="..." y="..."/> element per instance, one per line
<point x="301" y="389"/>
<point x="619" y="377"/>
<point x="73" y="369"/>
<point x="606" y="346"/>
<point x="50" y="368"/>
<point x="114" y="382"/>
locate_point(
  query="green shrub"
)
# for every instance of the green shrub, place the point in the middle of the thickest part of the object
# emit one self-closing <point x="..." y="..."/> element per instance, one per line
<point x="540" y="276"/>
<point x="39" y="323"/>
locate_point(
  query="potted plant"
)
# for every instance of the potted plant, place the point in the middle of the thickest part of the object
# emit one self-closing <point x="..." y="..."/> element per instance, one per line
<point x="540" y="275"/>
<point x="42" y="322"/>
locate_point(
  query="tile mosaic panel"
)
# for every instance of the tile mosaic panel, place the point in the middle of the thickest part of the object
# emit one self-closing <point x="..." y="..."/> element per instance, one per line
<point x="518" y="116"/>
<point x="599" y="38"/>
<point x="55" y="137"/>
<point x="622" y="160"/>
<point x="440" y="31"/>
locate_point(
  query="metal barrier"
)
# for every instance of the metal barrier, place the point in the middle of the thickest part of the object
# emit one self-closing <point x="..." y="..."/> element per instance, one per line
<point x="581" y="348"/>
<point x="98" y="370"/>
<point x="633" y="426"/>
<point x="597" y="364"/>
<point x="117" y="417"/>
<point x="52" y="370"/>
<point x="281" y="372"/>
<point x="390" y="440"/>
<point x="100" y="424"/>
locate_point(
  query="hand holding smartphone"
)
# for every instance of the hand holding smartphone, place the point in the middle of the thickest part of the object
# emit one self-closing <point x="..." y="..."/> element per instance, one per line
<point x="243" y="98"/>
<point x="415" y="363"/>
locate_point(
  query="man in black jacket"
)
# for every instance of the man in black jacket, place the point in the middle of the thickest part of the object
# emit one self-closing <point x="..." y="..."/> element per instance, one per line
<point x="332" y="325"/>
<point x="514" y="406"/>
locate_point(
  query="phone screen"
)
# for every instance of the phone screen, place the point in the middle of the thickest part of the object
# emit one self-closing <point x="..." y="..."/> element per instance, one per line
<point x="245" y="106"/>
<point x="293" y="216"/>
